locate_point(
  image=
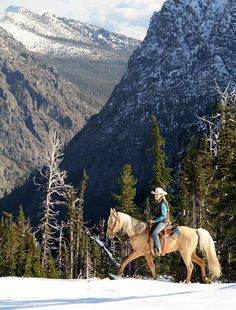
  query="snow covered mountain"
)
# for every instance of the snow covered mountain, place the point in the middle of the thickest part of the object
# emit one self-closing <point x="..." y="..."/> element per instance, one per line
<point x="90" y="57"/>
<point x="189" y="45"/>
<point x="63" y="37"/>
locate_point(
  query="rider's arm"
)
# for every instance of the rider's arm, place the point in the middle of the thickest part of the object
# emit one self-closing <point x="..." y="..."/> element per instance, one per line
<point x="163" y="213"/>
<point x="152" y="213"/>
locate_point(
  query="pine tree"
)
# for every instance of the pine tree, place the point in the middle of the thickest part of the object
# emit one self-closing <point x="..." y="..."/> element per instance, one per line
<point x="209" y="178"/>
<point x="51" y="270"/>
<point x="223" y="191"/>
<point x="126" y="203"/>
<point x="20" y="253"/>
<point x="33" y="267"/>
<point x="188" y="192"/>
<point x="79" y="222"/>
<point x="3" y="238"/>
<point x="204" y="184"/>
<point x="194" y="201"/>
<point x="18" y="250"/>
<point x="196" y="179"/>
<point x="161" y="174"/>
<point x="229" y="225"/>
<point x="126" y="198"/>
<point x="11" y="245"/>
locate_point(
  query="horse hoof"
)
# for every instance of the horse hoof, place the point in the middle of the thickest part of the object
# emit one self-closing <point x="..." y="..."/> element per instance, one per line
<point x="207" y="280"/>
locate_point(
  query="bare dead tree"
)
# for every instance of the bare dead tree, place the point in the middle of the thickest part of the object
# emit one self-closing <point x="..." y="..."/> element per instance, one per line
<point x="61" y="243"/>
<point x="214" y="122"/>
<point x="52" y="176"/>
<point x="213" y="132"/>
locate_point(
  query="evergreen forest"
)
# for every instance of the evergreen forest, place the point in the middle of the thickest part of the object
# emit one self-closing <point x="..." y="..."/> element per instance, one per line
<point x="201" y="193"/>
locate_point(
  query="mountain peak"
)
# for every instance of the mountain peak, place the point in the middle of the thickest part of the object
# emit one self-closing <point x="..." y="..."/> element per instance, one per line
<point x="199" y="15"/>
<point x="198" y="5"/>
<point x="13" y="9"/>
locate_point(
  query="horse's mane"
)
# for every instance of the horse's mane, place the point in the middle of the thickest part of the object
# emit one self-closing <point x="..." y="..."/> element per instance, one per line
<point x="135" y="226"/>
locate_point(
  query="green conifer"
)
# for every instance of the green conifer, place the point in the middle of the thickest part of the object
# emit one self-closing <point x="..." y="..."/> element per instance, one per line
<point x="51" y="270"/>
<point x="161" y="174"/>
<point x="21" y="250"/>
<point x="126" y="198"/>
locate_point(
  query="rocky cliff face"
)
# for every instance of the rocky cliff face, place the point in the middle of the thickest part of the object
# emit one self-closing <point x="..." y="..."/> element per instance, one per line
<point x="34" y="98"/>
<point x="87" y="55"/>
<point x="189" y="45"/>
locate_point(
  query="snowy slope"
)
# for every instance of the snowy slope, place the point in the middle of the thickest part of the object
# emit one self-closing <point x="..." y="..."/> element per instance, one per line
<point x="63" y="37"/>
<point x="28" y="293"/>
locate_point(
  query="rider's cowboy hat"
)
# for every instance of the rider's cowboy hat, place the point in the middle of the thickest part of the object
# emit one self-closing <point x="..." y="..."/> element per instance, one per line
<point x="159" y="190"/>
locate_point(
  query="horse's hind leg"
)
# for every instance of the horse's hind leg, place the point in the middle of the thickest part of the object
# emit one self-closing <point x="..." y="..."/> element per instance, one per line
<point x="151" y="265"/>
<point x="131" y="257"/>
<point x="201" y="263"/>
<point x="189" y="265"/>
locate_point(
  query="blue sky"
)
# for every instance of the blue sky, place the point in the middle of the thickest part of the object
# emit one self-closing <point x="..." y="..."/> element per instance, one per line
<point x="129" y="17"/>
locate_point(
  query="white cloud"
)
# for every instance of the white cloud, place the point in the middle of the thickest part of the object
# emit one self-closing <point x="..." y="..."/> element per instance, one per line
<point x="132" y="30"/>
<point x="130" y="17"/>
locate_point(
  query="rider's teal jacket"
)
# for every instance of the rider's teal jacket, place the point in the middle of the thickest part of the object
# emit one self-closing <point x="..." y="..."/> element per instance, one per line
<point x="163" y="215"/>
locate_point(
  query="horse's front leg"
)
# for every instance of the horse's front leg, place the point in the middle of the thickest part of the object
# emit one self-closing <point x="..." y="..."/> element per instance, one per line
<point x="131" y="257"/>
<point x="151" y="265"/>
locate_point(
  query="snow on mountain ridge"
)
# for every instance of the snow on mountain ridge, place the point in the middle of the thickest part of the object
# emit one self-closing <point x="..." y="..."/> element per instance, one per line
<point x="203" y="12"/>
<point x="44" y="25"/>
<point x="14" y="8"/>
<point x="199" y="5"/>
<point x="47" y="33"/>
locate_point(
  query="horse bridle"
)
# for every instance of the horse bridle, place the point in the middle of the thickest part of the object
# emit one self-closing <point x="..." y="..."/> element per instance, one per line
<point x="114" y="225"/>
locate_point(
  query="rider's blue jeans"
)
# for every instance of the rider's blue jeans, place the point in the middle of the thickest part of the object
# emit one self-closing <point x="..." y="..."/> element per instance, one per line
<point x="158" y="228"/>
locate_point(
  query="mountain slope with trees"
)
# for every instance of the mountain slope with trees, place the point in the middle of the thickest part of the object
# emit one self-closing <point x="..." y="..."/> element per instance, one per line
<point x="34" y="98"/>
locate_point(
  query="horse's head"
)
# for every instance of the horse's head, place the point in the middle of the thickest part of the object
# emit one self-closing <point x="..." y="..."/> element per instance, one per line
<point x="113" y="223"/>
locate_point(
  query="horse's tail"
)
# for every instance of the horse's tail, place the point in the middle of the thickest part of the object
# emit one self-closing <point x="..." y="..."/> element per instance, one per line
<point x="206" y="244"/>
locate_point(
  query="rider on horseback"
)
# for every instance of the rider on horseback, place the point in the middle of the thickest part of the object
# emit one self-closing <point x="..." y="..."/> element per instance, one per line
<point x="160" y="217"/>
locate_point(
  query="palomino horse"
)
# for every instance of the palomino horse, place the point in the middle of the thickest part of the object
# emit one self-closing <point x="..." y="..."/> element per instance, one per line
<point x="185" y="243"/>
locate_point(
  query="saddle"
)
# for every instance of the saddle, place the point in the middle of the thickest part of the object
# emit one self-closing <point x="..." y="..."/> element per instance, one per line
<point x="167" y="232"/>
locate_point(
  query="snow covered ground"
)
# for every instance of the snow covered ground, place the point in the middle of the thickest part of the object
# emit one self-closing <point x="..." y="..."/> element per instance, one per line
<point x="29" y="293"/>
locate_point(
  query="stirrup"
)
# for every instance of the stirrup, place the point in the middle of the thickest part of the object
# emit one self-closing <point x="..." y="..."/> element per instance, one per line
<point x="156" y="253"/>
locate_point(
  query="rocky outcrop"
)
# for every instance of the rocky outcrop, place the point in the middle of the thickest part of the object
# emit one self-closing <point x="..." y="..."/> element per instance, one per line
<point x="34" y="98"/>
<point x="189" y="45"/>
